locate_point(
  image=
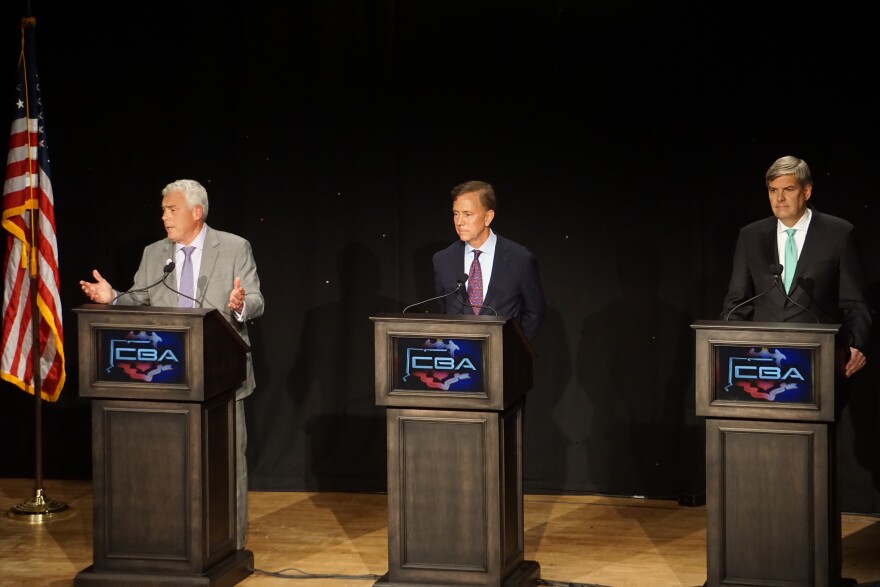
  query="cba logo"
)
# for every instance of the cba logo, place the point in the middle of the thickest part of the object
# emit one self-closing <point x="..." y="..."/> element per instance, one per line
<point x="764" y="374"/>
<point x="439" y="364"/>
<point x="141" y="356"/>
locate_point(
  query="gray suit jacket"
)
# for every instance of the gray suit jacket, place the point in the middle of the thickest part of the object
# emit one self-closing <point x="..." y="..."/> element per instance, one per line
<point x="225" y="257"/>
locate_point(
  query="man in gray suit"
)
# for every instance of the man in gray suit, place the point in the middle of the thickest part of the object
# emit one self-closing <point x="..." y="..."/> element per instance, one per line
<point x="226" y="280"/>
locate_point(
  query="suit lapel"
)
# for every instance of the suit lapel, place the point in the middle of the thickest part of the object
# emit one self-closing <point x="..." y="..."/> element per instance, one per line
<point x="209" y="260"/>
<point x="771" y="253"/>
<point x="166" y="296"/>
<point x="499" y="268"/>
<point x="805" y="259"/>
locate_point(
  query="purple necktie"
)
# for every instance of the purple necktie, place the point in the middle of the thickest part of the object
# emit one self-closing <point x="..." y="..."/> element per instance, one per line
<point x="475" y="283"/>
<point x="186" y="290"/>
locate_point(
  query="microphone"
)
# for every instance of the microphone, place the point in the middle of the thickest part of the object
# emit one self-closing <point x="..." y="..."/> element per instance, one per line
<point x="462" y="277"/>
<point x="198" y="302"/>
<point x="776" y="272"/>
<point x="805" y="309"/>
<point x="168" y="268"/>
<point x="472" y="306"/>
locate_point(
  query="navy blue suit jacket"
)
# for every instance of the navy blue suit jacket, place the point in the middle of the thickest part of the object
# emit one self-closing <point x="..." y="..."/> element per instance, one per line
<point x="514" y="287"/>
<point x="829" y="280"/>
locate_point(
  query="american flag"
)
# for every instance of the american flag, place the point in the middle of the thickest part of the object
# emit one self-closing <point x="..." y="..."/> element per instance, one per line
<point x="31" y="261"/>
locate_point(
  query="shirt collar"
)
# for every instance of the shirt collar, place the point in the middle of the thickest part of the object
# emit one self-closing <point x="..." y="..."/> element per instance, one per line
<point x="198" y="242"/>
<point x="800" y="226"/>
<point x="487" y="248"/>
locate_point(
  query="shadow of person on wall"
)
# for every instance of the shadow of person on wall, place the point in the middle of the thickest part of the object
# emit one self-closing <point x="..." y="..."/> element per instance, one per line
<point x="548" y="428"/>
<point x="635" y="364"/>
<point x="333" y="385"/>
<point x="423" y="269"/>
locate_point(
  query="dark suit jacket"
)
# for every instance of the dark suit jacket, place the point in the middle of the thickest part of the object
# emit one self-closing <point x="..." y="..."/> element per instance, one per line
<point x="829" y="280"/>
<point x="225" y="257"/>
<point x="514" y="286"/>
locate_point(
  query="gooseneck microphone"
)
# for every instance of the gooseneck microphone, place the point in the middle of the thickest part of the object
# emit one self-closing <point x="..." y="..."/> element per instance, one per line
<point x="804" y="308"/>
<point x="198" y="303"/>
<point x="776" y="272"/>
<point x="166" y="270"/>
<point x="469" y="305"/>
<point x="462" y="277"/>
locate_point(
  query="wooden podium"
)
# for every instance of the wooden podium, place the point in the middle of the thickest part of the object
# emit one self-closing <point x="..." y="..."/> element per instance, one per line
<point x="454" y="388"/>
<point x="163" y="445"/>
<point x="772" y="507"/>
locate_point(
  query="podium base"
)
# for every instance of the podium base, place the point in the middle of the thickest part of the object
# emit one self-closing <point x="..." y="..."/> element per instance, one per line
<point x="230" y="571"/>
<point x="526" y="574"/>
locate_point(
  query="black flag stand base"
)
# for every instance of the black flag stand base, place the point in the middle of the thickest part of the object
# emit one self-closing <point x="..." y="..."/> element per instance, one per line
<point x="39" y="509"/>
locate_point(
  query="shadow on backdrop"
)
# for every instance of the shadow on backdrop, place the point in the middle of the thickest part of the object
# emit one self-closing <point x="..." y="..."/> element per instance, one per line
<point x="551" y="423"/>
<point x="332" y="382"/>
<point x="635" y="365"/>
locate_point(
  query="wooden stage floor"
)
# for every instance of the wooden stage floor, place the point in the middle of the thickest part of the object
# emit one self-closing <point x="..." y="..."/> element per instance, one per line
<point x="340" y="539"/>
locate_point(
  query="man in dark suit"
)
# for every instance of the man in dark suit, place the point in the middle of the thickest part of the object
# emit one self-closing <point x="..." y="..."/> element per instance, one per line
<point x="828" y="282"/>
<point x="503" y="279"/>
<point x="224" y="277"/>
<point x="822" y="281"/>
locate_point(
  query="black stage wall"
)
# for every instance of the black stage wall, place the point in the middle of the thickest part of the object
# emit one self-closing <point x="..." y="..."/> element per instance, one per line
<point x="627" y="142"/>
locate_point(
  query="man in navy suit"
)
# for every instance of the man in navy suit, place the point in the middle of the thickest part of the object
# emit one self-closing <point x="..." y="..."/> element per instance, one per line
<point x="511" y="284"/>
<point x="828" y="283"/>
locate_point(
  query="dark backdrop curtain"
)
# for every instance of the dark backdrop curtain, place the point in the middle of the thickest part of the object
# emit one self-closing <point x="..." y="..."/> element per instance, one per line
<point x="627" y="142"/>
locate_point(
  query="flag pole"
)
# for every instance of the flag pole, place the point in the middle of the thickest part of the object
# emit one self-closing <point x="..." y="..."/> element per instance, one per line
<point x="39" y="508"/>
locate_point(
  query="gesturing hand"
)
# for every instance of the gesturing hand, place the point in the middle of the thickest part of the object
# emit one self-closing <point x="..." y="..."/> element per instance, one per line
<point x="100" y="291"/>
<point x="236" y="296"/>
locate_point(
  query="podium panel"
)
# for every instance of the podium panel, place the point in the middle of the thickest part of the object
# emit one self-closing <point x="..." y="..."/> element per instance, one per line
<point x="768" y="492"/>
<point x="454" y="388"/>
<point x="163" y="445"/>
<point x="772" y="507"/>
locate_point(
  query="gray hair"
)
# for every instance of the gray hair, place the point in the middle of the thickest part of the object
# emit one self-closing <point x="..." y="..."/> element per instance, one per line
<point x="193" y="191"/>
<point x="790" y="165"/>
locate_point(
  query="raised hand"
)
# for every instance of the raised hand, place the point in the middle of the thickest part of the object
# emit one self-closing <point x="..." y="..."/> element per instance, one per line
<point x="100" y="292"/>
<point x="236" y="296"/>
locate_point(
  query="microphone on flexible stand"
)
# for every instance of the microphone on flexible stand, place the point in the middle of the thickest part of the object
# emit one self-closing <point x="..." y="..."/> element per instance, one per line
<point x="472" y="306"/>
<point x="776" y="272"/>
<point x="198" y="302"/>
<point x="168" y="268"/>
<point x="462" y="277"/>
<point x="804" y="308"/>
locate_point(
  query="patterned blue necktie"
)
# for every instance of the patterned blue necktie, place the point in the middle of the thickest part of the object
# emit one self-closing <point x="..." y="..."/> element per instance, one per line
<point x="186" y="289"/>
<point x="790" y="259"/>
<point x="475" y="284"/>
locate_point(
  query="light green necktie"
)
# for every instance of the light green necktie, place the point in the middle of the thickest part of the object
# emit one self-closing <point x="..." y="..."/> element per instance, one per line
<point x="790" y="259"/>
